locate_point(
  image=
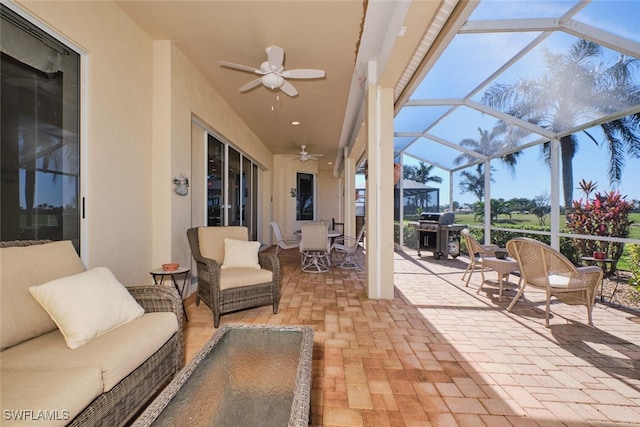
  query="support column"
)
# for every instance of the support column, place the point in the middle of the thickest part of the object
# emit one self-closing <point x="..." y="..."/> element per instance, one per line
<point x="487" y="202"/>
<point x="349" y="198"/>
<point x="379" y="205"/>
<point x="555" y="194"/>
<point x="451" y="192"/>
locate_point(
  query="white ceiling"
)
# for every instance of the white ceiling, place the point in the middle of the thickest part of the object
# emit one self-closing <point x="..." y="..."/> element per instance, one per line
<point x="321" y="34"/>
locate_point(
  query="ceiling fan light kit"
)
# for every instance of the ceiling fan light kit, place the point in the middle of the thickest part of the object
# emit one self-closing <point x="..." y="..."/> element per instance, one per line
<point x="273" y="73"/>
<point x="304" y="156"/>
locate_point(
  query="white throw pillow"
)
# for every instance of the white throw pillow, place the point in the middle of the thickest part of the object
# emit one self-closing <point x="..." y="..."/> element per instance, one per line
<point x="87" y="304"/>
<point x="240" y="254"/>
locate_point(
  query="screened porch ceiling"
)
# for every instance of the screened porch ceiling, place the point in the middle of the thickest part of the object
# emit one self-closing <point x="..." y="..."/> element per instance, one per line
<point x="500" y="43"/>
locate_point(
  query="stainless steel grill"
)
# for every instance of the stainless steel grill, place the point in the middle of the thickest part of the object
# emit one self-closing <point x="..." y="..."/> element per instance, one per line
<point x="436" y="232"/>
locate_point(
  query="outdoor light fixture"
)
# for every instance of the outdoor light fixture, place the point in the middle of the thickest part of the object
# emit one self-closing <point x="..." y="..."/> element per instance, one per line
<point x="294" y="192"/>
<point x="182" y="185"/>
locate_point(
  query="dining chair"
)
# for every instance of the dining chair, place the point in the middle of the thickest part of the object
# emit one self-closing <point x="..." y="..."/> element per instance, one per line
<point x="347" y="246"/>
<point x="283" y="243"/>
<point x="545" y="268"/>
<point x="476" y="252"/>
<point x="337" y="226"/>
<point x="314" y="248"/>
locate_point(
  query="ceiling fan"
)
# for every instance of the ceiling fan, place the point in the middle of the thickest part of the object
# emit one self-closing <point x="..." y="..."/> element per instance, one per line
<point x="304" y="156"/>
<point x="273" y="73"/>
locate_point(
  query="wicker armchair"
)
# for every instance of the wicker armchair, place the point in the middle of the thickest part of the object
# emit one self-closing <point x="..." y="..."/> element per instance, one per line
<point x="231" y="289"/>
<point x="545" y="268"/>
<point x="476" y="252"/>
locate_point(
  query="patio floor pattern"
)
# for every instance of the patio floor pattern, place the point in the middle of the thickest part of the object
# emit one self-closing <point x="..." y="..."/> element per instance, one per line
<point x="439" y="354"/>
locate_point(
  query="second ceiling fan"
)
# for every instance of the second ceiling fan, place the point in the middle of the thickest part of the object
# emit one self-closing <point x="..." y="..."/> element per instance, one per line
<point x="273" y="73"/>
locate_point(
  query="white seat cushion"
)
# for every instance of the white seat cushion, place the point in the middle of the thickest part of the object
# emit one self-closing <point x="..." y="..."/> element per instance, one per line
<point x="558" y="281"/>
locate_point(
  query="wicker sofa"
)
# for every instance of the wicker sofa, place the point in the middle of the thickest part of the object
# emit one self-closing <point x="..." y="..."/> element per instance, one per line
<point x="106" y="381"/>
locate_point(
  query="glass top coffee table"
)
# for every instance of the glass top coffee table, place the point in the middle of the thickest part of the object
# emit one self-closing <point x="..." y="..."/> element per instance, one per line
<point x="246" y="375"/>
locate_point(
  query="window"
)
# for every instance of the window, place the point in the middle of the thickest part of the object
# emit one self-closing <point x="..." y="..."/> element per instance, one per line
<point x="40" y="150"/>
<point x="305" y="202"/>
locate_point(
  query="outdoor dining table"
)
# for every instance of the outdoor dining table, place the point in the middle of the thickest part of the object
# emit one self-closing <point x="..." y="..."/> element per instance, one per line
<point x="332" y="234"/>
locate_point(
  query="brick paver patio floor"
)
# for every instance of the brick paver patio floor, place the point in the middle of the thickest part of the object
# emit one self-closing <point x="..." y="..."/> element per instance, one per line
<point x="439" y="354"/>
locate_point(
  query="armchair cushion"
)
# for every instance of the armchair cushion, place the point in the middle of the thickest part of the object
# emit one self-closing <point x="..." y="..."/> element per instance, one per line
<point x="239" y="277"/>
<point x="240" y="254"/>
<point x="87" y="304"/>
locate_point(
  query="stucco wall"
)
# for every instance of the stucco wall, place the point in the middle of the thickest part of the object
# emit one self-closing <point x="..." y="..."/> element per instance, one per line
<point x="140" y="96"/>
<point x="117" y="125"/>
<point x="328" y="204"/>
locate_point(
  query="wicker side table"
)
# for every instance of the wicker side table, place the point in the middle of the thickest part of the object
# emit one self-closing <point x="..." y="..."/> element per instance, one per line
<point x="503" y="267"/>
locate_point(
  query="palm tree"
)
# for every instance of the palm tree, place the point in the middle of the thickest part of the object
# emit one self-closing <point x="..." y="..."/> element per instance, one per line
<point x="488" y="144"/>
<point x="473" y="182"/>
<point x="576" y="88"/>
<point x="421" y="173"/>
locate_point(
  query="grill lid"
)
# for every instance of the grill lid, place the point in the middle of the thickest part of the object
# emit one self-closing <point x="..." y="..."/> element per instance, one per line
<point x="446" y="218"/>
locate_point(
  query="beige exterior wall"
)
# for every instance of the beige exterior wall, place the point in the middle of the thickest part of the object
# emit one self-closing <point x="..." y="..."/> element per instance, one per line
<point x="330" y="201"/>
<point x="284" y="206"/>
<point x="141" y="96"/>
<point x="117" y="122"/>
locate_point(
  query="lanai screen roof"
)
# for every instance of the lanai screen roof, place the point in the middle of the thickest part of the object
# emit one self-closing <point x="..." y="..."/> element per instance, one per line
<point x="506" y="42"/>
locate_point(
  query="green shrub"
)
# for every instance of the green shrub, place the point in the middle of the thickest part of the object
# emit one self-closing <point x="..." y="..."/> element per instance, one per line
<point x="604" y="215"/>
<point x="409" y="235"/>
<point x="633" y="261"/>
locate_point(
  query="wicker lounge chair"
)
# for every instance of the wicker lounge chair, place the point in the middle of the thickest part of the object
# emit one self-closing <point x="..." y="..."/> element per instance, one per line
<point x="545" y="268"/>
<point x="232" y="289"/>
<point x="476" y="252"/>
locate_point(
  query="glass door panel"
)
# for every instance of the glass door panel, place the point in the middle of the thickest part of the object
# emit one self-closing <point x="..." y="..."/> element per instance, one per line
<point x="246" y="194"/>
<point x="215" y="182"/>
<point x="40" y="149"/>
<point x="232" y="187"/>
<point x="254" y="203"/>
<point x="234" y="193"/>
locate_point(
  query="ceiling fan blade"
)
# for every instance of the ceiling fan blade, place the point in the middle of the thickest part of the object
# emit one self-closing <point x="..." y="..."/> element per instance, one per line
<point x="303" y="73"/>
<point x="288" y="89"/>
<point x="250" y="85"/>
<point x="315" y="156"/>
<point x="240" y="67"/>
<point x="275" y="57"/>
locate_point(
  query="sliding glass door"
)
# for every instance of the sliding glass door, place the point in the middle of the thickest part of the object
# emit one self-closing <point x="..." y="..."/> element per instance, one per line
<point x="232" y="184"/>
<point x="40" y="150"/>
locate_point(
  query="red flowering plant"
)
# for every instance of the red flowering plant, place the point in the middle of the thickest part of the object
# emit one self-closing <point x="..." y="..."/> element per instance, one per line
<point x="602" y="215"/>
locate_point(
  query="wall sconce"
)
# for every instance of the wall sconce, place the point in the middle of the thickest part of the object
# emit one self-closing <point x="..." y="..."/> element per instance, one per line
<point x="182" y="185"/>
<point x="294" y="192"/>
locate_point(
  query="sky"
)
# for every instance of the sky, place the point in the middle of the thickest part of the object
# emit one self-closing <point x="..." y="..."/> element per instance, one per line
<point x="472" y="58"/>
